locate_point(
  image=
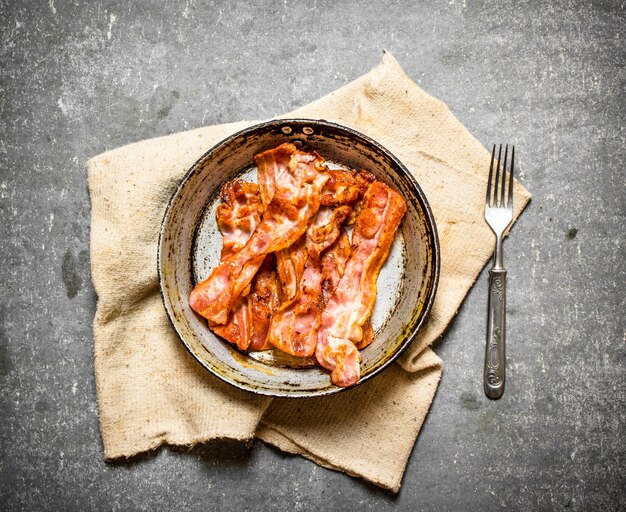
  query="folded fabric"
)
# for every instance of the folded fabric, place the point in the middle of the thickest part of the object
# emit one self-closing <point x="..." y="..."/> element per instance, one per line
<point x="151" y="391"/>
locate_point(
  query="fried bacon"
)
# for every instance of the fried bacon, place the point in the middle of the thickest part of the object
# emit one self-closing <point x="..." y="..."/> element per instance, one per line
<point x="265" y="301"/>
<point x="294" y="203"/>
<point x="283" y="240"/>
<point x="333" y="266"/>
<point x="345" y="187"/>
<point x="353" y="300"/>
<point x="289" y="261"/>
<point x="238" y="216"/>
<point x="250" y="318"/>
<point x="342" y="188"/>
<point x="290" y="264"/>
<point x="295" y="324"/>
<point x="271" y="164"/>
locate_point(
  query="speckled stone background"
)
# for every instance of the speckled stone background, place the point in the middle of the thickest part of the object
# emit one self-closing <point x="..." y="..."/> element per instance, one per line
<point x="77" y="78"/>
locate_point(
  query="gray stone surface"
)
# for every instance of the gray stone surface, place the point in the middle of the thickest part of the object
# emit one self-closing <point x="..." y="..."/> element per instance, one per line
<point x="77" y="78"/>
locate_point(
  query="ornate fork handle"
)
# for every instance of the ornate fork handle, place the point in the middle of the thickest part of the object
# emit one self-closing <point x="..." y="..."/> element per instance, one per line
<point x="498" y="214"/>
<point x="494" y="373"/>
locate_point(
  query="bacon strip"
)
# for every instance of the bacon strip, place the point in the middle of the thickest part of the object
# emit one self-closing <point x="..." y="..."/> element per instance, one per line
<point x="238" y="216"/>
<point x="333" y="266"/>
<point x="290" y="261"/>
<point x="290" y="264"/>
<point x="353" y="300"/>
<point x="265" y="300"/>
<point x="271" y="164"/>
<point x="250" y="318"/>
<point x="293" y="205"/>
<point x="294" y="326"/>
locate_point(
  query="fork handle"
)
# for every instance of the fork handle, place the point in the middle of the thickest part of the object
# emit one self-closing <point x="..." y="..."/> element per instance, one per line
<point x="494" y="373"/>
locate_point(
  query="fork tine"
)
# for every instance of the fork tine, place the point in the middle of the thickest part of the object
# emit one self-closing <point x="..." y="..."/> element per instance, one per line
<point x="506" y="153"/>
<point x="509" y="203"/>
<point x="493" y="154"/>
<point x="499" y="166"/>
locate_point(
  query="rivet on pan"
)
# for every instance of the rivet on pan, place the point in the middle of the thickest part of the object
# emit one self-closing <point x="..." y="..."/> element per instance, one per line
<point x="307" y="130"/>
<point x="286" y="130"/>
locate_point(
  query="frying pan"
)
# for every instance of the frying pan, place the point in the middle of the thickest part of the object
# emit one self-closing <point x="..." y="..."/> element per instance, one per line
<point x="190" y="244"/>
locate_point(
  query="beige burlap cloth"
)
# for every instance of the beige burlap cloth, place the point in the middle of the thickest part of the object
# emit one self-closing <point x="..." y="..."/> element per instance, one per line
<point x="151" y="391"/>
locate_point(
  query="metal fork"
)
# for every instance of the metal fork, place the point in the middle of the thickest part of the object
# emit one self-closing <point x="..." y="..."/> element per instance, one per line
<point x="498" y="214"/>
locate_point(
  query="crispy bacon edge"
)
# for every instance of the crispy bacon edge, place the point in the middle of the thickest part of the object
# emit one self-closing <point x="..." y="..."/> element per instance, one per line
<point x="345" y="187"/>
